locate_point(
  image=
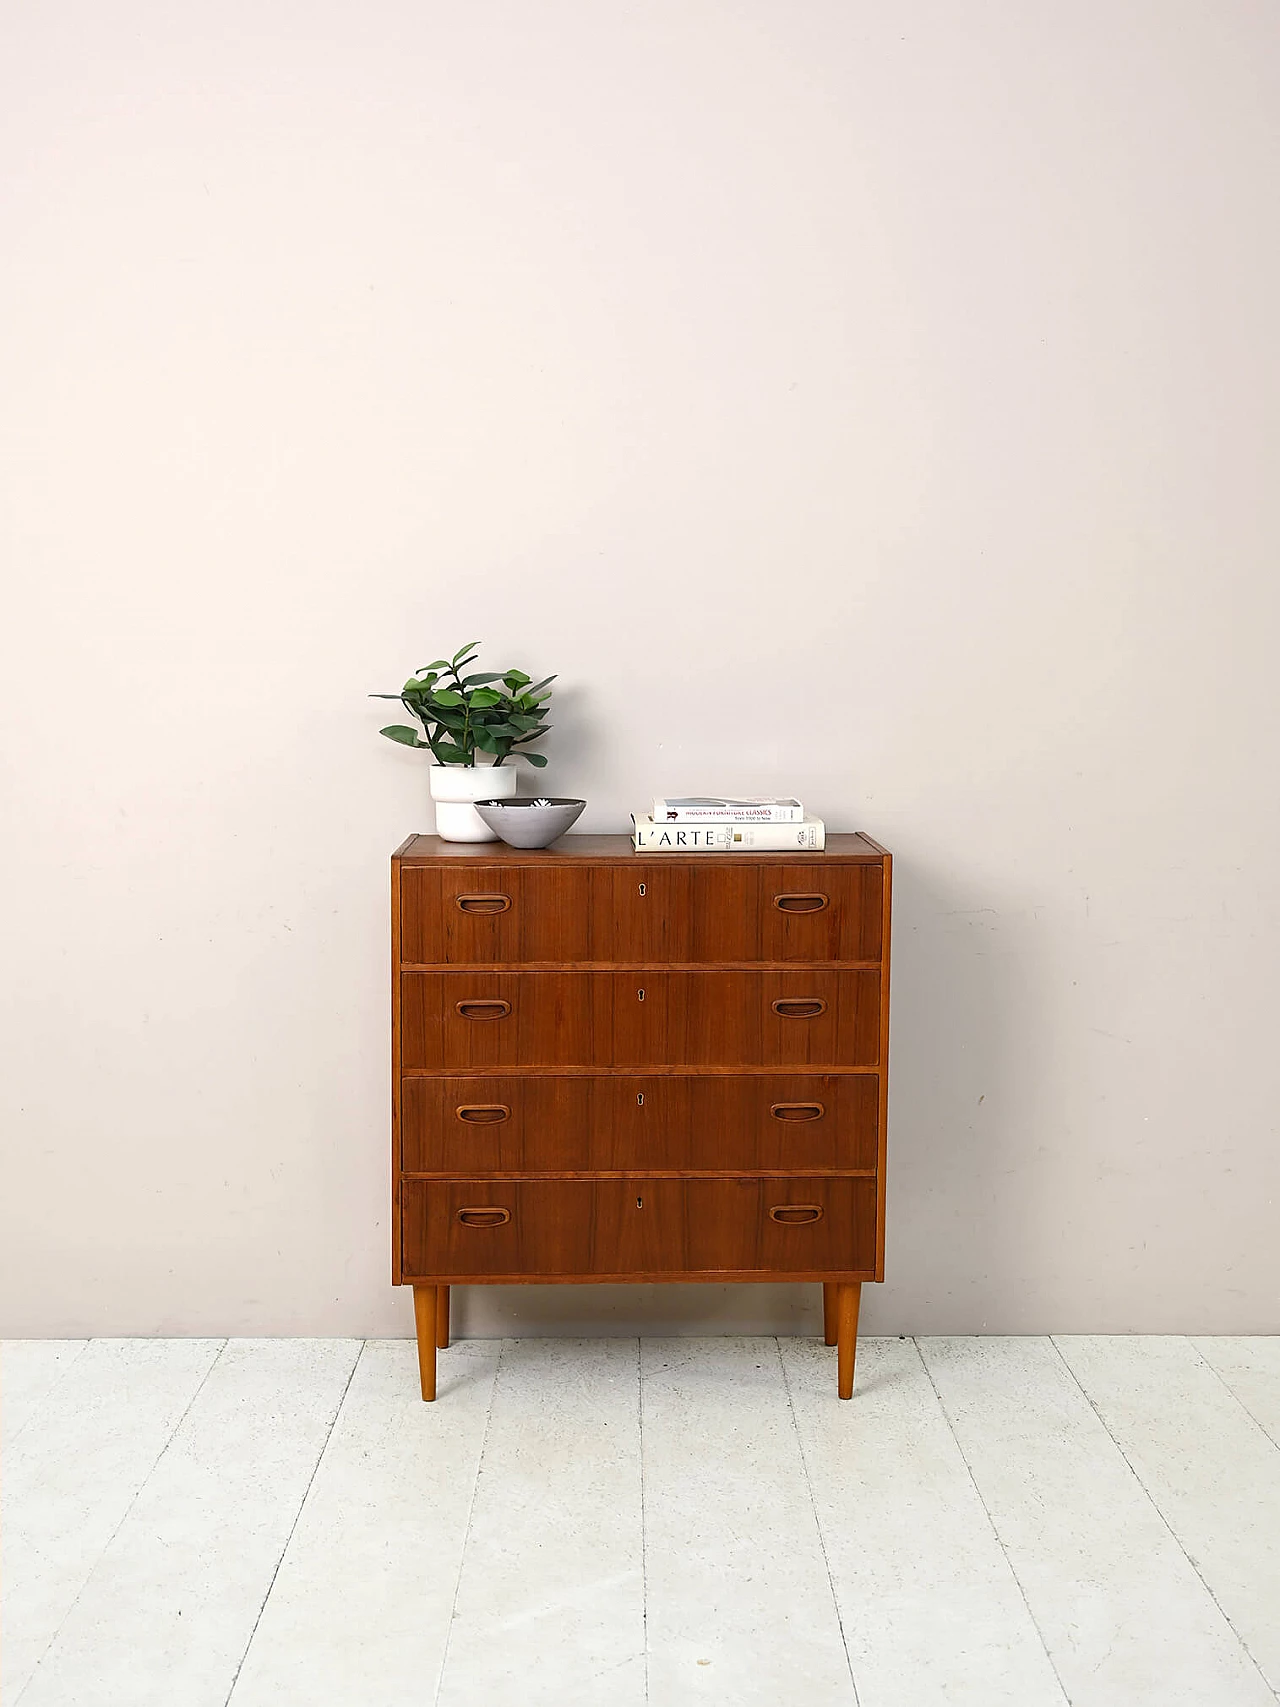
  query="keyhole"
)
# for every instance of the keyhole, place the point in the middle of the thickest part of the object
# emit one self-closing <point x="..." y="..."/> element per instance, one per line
<point x="640" y="994"/>
<point x="642" y="888"/>
<point x="639" y="1202"/>
<point x="639" y="1099"/>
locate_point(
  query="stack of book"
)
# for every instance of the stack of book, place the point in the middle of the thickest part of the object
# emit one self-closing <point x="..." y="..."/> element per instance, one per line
<point x="698" y="823"/>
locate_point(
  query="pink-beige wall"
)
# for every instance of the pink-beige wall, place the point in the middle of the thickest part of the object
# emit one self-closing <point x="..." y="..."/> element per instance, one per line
<point x="873" y="401"/>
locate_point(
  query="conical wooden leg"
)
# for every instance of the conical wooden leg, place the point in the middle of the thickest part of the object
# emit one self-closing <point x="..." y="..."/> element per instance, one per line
<point x="829" y="1311"/>
<point x="424" y="1316"/>
<point x="848" y="1297"/>
<point x="442" y="1317"/>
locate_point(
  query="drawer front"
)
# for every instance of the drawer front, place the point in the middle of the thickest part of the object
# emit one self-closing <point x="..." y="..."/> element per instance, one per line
<point x="642" y="913"/>
<point x="579" y="1123"/>
<point x="810" y="1018"/>
<point x="462" y="1229"/>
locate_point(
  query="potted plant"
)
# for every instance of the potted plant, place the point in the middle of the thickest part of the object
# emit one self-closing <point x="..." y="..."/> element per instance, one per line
<point x="494" y="712"/>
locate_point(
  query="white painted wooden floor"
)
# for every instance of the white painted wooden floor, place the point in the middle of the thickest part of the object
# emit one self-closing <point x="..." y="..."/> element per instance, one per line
<point x="282" y="1523"/>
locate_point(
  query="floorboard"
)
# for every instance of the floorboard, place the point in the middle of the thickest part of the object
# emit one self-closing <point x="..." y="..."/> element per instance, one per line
<point x="1125" y="1618"/>
<point x="741" y="1611"/>
<point x="29" y="1372"/>
<point x="664" y="1523"/>
<point x="550" y="1601"/>
<point x="1205" y="1463"/>
<point x="1251" y="1369"/>
<point x="168" y="1610"/>
<point x="359" y="1612"/>
<point x="72" y="1475"/>
<point x="941" y="1622"/>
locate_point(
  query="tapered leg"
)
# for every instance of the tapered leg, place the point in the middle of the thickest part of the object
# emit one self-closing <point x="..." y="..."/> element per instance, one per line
<point x="848" y="1297"/>
<point x="442" y="1317"/>
<point x="424" y="1316"/>
<point x="829" y="1311"/>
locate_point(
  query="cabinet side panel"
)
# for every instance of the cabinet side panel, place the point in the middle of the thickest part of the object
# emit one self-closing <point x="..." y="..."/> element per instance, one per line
<point x="886" y="940"/>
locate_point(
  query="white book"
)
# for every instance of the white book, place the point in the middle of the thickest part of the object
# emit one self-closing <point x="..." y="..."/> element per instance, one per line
<point x="713" y="808"/>
<point x="808" y="836"/>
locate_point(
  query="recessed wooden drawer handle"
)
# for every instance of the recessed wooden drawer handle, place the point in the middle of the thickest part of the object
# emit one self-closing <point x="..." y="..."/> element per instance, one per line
<point x="795" y="1214"/>
<point x="484" y="1217"/>
<point x="799" y="1007"/>
<point x="483" y="903"/>
<point x="483" y="1113"/>
<point x="797" y="1111"/>
<point x="801" y="903"/>
<point x="483" y="1009"/>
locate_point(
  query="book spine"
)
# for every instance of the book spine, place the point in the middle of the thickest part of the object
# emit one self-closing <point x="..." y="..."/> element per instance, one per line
<point x="682" y="838"/>
<point x="663" y="811"/>
<point x="808" y="837"/>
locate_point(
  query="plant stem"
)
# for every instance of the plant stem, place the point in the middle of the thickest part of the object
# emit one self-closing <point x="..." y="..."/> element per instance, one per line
<point x="468" y="742"/>
<point x="426" y="729"/>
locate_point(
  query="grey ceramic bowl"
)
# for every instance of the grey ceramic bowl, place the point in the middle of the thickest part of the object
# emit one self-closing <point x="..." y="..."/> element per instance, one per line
<point x="530" y="823"/>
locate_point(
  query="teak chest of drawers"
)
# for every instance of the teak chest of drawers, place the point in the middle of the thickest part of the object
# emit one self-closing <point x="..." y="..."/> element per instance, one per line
<point x="613" y="1067"/>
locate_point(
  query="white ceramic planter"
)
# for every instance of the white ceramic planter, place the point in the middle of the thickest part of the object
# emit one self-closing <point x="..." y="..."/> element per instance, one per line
<point x="454" y="787"/>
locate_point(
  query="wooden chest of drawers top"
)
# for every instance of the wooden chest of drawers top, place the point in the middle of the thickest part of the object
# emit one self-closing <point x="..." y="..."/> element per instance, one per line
<point x="575" y="849"/>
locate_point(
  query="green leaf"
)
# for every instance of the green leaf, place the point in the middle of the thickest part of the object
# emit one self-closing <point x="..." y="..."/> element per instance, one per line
<point x="484" y="676"/>
<point x="538" y="686"/>
<point x="484" y="697"/>
<point x="446" y="696"/>
<point x="436" y="664"/>
<point x="462" y="652"/>
<point x="386" y="696"/>
<point x="485" y="740"/>
<point x="450" y="753"/>
<point x="406" y="737"/>
<point x="538" y="759"/>
<point x="516" y="678"/>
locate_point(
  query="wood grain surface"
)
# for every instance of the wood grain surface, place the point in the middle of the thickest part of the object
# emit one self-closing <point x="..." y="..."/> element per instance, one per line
<point x="620" y="1067"/>
<point x="639" y="1228"/>
<point x="455" y="1020"/>
<point x="591" y="1123"/>
<point x="657" y="912"/>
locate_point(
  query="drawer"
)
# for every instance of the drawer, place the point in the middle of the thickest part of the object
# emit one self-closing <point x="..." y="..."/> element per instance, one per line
<point x="668" y="912"/>
<point x="465" y="1229"/>
<point x="581" y="1123"/>
<point x="784" y="1018"/>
